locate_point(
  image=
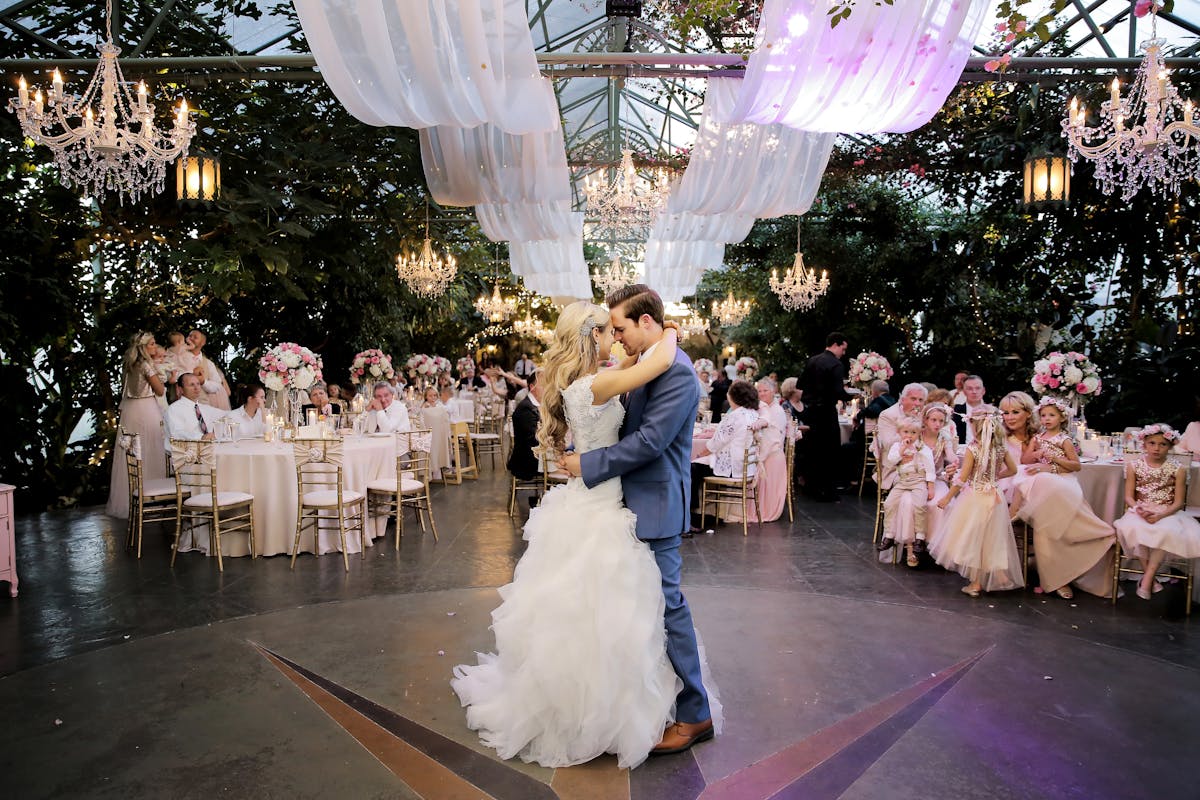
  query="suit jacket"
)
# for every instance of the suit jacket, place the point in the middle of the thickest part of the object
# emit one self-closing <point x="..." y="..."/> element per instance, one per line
<point x="522" y="463"/>
<point x="716" y="399"/>
<point x="654" y="457"/>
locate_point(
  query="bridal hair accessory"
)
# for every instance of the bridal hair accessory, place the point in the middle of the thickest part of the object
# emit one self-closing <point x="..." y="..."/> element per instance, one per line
<point x="1158" y="429"/>
<point x="1061" y="405"/>
<point x="942" y="407"/>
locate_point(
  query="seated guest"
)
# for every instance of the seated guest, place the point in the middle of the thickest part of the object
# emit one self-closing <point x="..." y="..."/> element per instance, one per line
<point x="336" y="395"/>
<point x="387" y="414"/>
<point x="249" y="417"/>
<point x="723" y="454"/>
<point x="188" y="418"/>
<point x="880" y="401"/>
<point x="904" y="511"/>
<point x="318" y="399"/>
<point x="772" y="479"/>
<point x="789" y="400"/>
<point x="1191" y="435"/>
<point x="959" y="396"/>
<point x="972" y="392"/>
<point x="522" y="461"/>
<point x="853" y="451"/>
<point x="469" y="381"/>
<point x="445" y="395"/>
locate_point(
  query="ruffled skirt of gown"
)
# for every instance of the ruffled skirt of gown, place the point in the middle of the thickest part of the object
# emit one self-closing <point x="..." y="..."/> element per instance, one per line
<point x="1178" y="534"/>
<point x="976" y="541"/>
<point x="580" y="667"/>
<point x="1070" y="543"/>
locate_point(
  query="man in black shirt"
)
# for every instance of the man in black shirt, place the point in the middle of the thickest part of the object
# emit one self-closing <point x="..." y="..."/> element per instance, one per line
<point x="716" y="397"/>
<point x="822" y="387"/>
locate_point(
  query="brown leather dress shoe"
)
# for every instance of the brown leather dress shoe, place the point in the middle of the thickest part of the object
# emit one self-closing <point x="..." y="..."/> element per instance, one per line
<point x="681" y="736"/>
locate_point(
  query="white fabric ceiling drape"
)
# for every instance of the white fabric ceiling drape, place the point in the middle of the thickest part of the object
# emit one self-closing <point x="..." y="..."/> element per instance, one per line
<point x="418" y="63"/>
<point x="884" y="68"/>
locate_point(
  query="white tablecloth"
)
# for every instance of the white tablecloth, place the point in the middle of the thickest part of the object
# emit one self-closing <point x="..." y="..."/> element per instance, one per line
<point x="845" y="427"/>
<point x="1103" y="486"/>
<point x="268" y="471"/>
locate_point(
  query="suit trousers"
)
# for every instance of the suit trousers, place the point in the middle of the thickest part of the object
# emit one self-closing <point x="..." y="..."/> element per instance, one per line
<point x="822" y="451"/>
<point x="691" y="705"/>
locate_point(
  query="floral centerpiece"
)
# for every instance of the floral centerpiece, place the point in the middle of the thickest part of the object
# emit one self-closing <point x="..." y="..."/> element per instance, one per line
<point x="746" y="366"/>
<point x="371" y="365"/>
<point x="1070" y="376"/>
<point x="421" y="365"/>
<point x="868" y="367"/>
<point x="289" y="366"/>
<point x="703" y="365"/>
<point x="441" y="366"/>
<point x="465" y="363"/>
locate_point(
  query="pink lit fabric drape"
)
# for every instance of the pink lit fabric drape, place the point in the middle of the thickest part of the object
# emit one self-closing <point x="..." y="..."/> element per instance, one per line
<point x="886" y="68"/>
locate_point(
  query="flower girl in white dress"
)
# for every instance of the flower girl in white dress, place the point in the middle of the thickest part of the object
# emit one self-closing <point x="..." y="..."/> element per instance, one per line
<point x="976" y="538"/>
<point x="580" y="667"/>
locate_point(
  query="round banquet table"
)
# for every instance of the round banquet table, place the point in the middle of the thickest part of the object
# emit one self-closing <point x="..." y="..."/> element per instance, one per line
<point x="1103" y="484"/>
<point x="267" y="470"/>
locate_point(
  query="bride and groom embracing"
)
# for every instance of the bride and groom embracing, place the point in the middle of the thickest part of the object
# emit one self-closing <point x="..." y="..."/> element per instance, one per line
<point x="595" y="648"/>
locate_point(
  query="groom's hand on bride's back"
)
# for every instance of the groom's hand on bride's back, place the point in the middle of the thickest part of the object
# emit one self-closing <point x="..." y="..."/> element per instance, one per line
<point x="570" y="464"/>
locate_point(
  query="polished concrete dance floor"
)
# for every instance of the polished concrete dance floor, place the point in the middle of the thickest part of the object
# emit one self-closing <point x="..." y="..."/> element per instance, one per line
<point x="842" y="677"/>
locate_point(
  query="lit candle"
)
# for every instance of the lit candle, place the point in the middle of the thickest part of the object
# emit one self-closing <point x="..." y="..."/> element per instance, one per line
<point x="37" y="102"/>
<point x="1162" y="83"/>
<point x="1115" y="94"/>
<point x="1187" y="112"/>
<point x="1074" y="114"/>
<point x="88" y="120"/>
<point x="142" y="96"/>
<point x="182" y="118"/>
<point x="22" y="92"/>
<point x="56" y="87"/>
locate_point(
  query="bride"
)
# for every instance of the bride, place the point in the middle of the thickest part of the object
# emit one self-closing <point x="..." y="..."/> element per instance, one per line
<point x="580" y="667"/>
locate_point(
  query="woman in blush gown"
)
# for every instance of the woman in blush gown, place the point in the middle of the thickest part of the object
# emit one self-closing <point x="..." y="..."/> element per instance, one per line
<point x="580" y="667"/>
<point x="140" y="414"/>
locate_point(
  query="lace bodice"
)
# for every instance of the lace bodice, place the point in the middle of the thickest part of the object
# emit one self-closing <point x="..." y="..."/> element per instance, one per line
<point x="592" y="426"/>
<point x="1155" y="486"/>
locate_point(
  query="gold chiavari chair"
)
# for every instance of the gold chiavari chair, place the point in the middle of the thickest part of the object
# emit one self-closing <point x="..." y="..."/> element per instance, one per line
<point x="410" y="487"/>
<point x="870" y="461"/>
<point x="321" y="493"/>
<point x="718" y="492"/>
<point x="197" y="499"/>
<point x="150" y="501"/>
<point x="789" y="454"/>
<point x="488" y="432"/>
<point x="463" y="446"/>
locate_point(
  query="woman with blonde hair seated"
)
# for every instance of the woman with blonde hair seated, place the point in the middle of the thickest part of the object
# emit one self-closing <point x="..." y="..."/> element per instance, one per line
<point x="772" y="478"/>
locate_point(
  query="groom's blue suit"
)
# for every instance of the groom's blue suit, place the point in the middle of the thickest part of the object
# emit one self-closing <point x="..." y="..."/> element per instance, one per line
<point x="653" y="460"/>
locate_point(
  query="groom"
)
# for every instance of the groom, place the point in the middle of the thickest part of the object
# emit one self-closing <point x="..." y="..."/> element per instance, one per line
<point x="653" y="460"/>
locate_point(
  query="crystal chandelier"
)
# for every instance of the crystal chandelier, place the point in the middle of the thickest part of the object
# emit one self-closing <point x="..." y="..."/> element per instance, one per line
<point x="629" y="202"/>
<point x="614" y="277"/>
<point x="427" y="274"/>
<point x="695" y="325"/>
<point x="114" y="147"/>
<point x="496" y="308"/>
<point x="799" y="287"/>
<point x="731" y="312"/>
<point x="530" y="327"/>
<point x="1148" y="139"/>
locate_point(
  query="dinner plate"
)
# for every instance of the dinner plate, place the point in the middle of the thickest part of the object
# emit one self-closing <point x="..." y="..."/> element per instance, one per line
<point x="380" y="435"/>
<point x="1086" y="459"/>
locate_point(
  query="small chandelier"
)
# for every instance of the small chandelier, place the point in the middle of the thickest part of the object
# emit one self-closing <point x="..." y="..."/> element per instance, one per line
<point x="427" y="275"/>
<point x="799" y="288"/>
<point x="114" y="148"/>
<point x="1150" y="139"/>
<point x="629" y="202"/>
<point x="695" y="325"/>
<point x="614" y="277"/>
<point x="529" y="328"/>
<point x="731" y="312"/>
<point x="496" y="308"/>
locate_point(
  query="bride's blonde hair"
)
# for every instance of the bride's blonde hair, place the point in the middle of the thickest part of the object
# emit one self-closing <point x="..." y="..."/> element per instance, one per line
<point x="572" y="354"/>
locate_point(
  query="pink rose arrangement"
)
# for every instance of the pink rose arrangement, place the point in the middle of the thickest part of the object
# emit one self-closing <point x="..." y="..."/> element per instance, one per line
<point x="868" y="367"/>
<point x="746" y="366"/>
<point x="287" y="365"/>
<point x="371" y="365"/>
<point x="1070" y="376"/>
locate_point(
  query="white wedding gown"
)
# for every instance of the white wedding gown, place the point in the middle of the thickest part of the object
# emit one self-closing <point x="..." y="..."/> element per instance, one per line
<point x="580" y="667"/>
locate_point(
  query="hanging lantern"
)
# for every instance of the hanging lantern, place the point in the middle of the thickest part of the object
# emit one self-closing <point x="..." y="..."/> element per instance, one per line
<point x="198" y="178"/>
<point x="1047" y="181"/>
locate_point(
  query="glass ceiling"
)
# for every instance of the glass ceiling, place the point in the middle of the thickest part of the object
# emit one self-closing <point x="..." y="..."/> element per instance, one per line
<point x="600" y="115"/>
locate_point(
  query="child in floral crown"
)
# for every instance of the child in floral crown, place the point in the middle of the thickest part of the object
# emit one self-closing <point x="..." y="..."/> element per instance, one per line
<point x="976" y="539"/>
<point x="1071" y="542"/>
<point x="1155" y="524"/>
